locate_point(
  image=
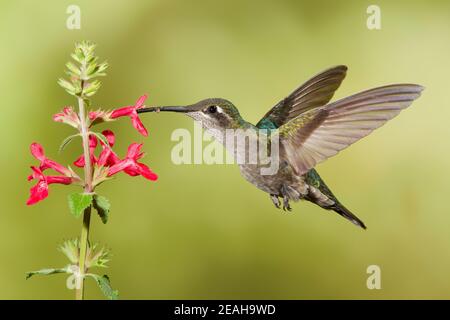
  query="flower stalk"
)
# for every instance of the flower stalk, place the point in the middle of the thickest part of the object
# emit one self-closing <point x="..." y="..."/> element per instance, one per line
<point x="84" y="238"/>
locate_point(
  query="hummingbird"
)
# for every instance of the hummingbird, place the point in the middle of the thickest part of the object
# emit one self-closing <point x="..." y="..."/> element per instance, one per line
<point x="310" y="130"/>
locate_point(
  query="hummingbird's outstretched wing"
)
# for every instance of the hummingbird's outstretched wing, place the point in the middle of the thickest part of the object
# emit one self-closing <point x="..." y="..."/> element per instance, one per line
<point x="320" y="133"/>
<point x="316" y="92"/>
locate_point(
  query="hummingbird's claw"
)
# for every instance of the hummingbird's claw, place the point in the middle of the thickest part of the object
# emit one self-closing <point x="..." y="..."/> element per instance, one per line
<point x="286" y="205"/>
<point x="277" y="203"/>
<point x="275" y="200"/>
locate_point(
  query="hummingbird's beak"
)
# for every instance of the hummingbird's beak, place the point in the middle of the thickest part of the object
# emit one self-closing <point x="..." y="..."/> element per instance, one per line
<point x="182" y="109"/>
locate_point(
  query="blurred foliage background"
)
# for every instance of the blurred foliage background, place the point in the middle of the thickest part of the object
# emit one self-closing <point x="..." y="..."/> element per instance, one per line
<point x="202" y="231"/>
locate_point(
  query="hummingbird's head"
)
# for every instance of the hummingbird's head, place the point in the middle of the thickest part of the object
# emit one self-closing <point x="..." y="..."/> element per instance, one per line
<point x="214" y="113"/>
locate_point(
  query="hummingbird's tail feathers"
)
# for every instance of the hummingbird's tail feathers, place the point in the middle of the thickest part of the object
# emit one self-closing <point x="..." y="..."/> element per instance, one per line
<point x="320" y="194"/>
<point x="343" y="211"/>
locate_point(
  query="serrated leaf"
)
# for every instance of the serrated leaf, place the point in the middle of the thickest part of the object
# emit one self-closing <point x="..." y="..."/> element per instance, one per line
<point x="79" y="55"/>
<point x="76" y="57"/>
<point x="91" y="88"/>
<point x="101" y="69"/>
<point x="98" y="71"/>
<point x="66" y="141"/>
<point x="105" y="286"/>
<point x="45" y="272"/>
<point x="73" y="69"/>
<point x="97" y="257"/>
<point x="78" y="202"/>
<point x="91" y="68"/>
<point x="68" y="86"/>
<point x="71" y="249"/>
<point x="102" y="205"/>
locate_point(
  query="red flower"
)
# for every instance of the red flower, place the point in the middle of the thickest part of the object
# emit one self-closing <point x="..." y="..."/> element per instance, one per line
<point x="68" y="116"/>
<point x="131" y="111"/>
<point x="92" y="145"/>
<point x="38" y="152"/>
<point x="130" y="165"/>
<point x="99" y="116"/>
<point x="108" y="157"/>
<point x="40" y="190"/>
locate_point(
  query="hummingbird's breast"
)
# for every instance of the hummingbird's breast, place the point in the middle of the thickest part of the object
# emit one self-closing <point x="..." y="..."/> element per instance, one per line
<point x="245" y="146"/>
<point x="283" y="178"/>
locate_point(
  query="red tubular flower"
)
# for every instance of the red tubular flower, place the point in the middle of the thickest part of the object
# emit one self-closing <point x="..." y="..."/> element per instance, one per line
<point x="99" y="116"/>
<point x="108" y="157"/>
<point x="69" y="116"/>
<point x="130" y="165"/>
<point x="92" y="145"/>
<point x="38" y="152"/>
<point x="40" y="190"/>
<point x="131" y="111"/>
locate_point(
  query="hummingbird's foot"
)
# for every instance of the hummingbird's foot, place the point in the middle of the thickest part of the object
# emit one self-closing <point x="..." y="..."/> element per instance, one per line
<point x="275" y="201"/>
<point x="286" y="205"/>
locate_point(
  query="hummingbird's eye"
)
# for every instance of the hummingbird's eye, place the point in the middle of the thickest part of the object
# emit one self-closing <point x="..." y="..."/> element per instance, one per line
<point x="212" y="109"/>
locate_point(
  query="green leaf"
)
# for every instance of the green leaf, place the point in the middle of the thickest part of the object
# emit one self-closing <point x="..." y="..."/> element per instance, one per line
<point x="68" y="86"/>
<point x="105" y="286"/>
<point x="45" y="272"/>
<point x="90" y="70"/>
<point x="71" y="249"/>
<point x="91" y="88"/>
<point x="101" y="69"/>
<point x="97" y="70"/>
<point x="78" y="202"/>
<point x="102" y="205"/>
<point x="76" y="57"/>
<point x="66" y="141"/>
<point x="73" y="69"/>
<point x="97" y="256"/>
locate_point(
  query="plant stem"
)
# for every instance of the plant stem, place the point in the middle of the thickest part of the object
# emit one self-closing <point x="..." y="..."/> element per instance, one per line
<point x="83" y="249"/>
<point x="85" y="137"/>
<point x="84" y="239"/>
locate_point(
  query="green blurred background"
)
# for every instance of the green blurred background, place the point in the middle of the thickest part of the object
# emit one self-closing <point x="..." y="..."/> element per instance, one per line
<point x="202" y="231"/>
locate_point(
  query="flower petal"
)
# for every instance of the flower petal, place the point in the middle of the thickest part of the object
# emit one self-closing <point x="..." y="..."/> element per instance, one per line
<point x="140" y="102"/>
<point x="79" y="162"/>
<point x="137" y="123"/>
<point x="134" y="150"/>
<point x="93" y="142"/>
<point x="38" y="192"/>
<point x="125" y="111"/>
<point x="109" y="135"/>
<point x="37" y="151"/>
<point x="131" y="171"/>
<point x="59" y="179"/>
<point x="107" y="158"/>
<point x="146" y="172"/>
<point x="57" y="167"/>
<point x="103" y="158"/>
<point x="112" y="159"/>
<point x="37" y="174"/>
<point x="119" y="167"/>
